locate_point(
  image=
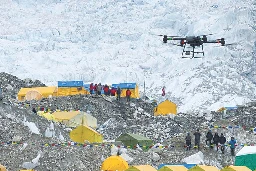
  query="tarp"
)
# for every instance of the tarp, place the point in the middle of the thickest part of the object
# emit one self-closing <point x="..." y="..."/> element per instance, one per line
<point x="114" y="163"/>
<point x="203" y="168"/>
<point x="246" y="157"/>
<point x="2" y="168"/>
<point x="165" y="108"/>
<point x="70" y="83"/>
<point x="84" y="133"/>
<point x="36" y="93"/>
<point x="62" y="116"/>
<point x="227" y="108"/>
<point x="70" y="91"/>
<point x="134" y="139"/>
<point x="236" y="168"/>
<point x="173" y="168"/>
<point x="141" y="168"/>
<point x="46" y="115"/>
<point x="82" y="119"/>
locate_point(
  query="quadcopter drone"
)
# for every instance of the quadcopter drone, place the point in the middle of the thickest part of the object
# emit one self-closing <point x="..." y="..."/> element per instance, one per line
<point x="193" y="41"/>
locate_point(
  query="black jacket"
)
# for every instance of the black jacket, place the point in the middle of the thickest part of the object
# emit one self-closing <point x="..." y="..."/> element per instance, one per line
<point x="222" y="140"/>
<point x="188" y="138"/>
<point x="209" y="136"/>
<point x="197" y="136"/>
<point x="216" y="138"/>
<point x="118" y="91"/>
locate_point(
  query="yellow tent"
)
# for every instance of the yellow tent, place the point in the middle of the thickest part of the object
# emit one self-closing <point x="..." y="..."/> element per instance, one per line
<point x="2" y="168"/>
<point x="36" y="93"/>
<point x="69" y="91"/>
<point x="114" y="163"/>
<point x="82" y="118"/>
<point x="141" y="168"/>
<point x="165" y="108"/>
<point x="236" y="168"/>
<point x="173" y="168"/>
<point x="64" y="117"/>
<point x="84" y="133"/>
<point x="203" y="168"/>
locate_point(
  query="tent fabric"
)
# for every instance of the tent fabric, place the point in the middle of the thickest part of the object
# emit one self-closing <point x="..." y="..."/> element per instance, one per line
<point x="44" y="91"/>
<point x="203" y="168"/>
<point x="134" y="88"/>
<point x="188" y="166"/>
<point x="165" y="108"/>
<point x="173" y="168"/>
<point x="63" y="116"/>
<point x="69" y="91"/>
<point x="84" y="133"/>
<point x="236" y="168"/>
<point x="134" y="139"/>
<point x="46" y="115"/>
<point x="246" y="157"/>
<point x="82" y="119"/>
<point x="33" y="95"/>
<point x="141" y="168"/>
<point x="2" y="168"/>
<point x="114" y="163"/>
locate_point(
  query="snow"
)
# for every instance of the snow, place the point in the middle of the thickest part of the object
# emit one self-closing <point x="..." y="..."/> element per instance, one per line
<point x="247" y="150"/>
<point x="197" y="158"/>
<point x="116" y="41"/>
<point x="32" y="127"/>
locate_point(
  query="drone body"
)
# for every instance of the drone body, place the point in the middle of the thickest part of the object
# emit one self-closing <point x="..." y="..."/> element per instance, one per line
<point x="193" y="41"/>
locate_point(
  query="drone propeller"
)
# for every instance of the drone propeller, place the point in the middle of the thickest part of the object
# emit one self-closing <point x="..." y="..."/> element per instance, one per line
<point x="206" y="34"/>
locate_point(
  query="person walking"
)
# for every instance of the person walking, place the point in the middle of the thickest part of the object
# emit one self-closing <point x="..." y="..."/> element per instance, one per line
<point x="128" y="95"/>
<point x="216" y="140"/>
<point x="188" y="141"/>
<point x="197" y="135"/>
<point x="118" y="93"/>
<point x="222" y="143"/>
<point x="113" y="91"/>
<point x="232" y="144"/>
<point x="209" y="137"/>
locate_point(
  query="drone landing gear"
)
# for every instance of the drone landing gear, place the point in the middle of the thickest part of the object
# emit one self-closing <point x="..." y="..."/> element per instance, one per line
<point x="188" y="53"/>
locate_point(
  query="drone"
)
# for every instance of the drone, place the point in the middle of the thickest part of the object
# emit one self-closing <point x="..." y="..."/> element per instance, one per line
<point x="193" y="41"/>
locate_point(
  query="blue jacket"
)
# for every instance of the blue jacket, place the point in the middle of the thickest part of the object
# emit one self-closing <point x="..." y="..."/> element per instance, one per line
<point x="232" y="143"/>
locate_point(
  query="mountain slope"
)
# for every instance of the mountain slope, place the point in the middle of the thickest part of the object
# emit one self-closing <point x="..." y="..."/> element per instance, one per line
<point x="115" y="41"/>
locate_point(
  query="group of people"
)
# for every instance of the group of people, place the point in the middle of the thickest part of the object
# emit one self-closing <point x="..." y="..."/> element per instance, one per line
<point x="211" y="140"/>
<point x="96" y="88"/>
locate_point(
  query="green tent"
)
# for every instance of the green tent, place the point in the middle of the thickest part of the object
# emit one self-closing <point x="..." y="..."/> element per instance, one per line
<point x="246" y="157"/>
<point x="133" y="139"/>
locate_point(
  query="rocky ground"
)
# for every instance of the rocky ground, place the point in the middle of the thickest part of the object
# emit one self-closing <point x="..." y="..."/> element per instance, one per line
<point x="114" y="118"/>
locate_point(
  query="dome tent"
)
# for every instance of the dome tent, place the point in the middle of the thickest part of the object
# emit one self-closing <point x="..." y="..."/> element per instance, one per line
<point x="173" y="168"/>
<point x="165" y="108"/>
<point x="246" y="157"/>
<point x="203" y="168"/>
<point x="84" y="133"/>
<point x="236" y="168"/>
<point x="141" y="168"/>
<point x="114" y="163"/>
<point x="2" y="168"/>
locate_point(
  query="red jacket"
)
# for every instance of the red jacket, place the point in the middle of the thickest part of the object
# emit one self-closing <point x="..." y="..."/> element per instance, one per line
<point x="95" y="87"/>
<point x="128" y="93"/>
<point x="106" y="89"/>
<point x="113" y="91"/>
<point x="91" y="87"/>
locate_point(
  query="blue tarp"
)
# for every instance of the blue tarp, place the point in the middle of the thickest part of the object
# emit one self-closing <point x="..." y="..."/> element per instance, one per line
<point x="188" y="166"/>
<point x="230" y="108"/>
<point x="127" y="85"/>
<point x="70" y="84"/>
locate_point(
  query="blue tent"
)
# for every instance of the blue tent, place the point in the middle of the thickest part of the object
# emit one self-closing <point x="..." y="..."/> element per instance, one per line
<point x="188" y="166"/>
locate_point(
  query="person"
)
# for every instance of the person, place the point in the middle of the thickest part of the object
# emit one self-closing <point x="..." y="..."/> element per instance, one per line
<point x="128" y="95"/>
<point x="91" y="88"/>
<point x="209" y="137"/>
<point x="34" y="110"/>
<point x="106" y="88"/>
<point x="197" y="138"/>
<point x="1" y="94"/>
<point x="99" y="89"/>
<point x="96" y="89"/>
<point x="188" y="141"/>
<point x="163" y="91"/>
<point x="118" y="93"/>
<point x="232" y="144"/>
<point x="216" y="140"/>
<point x="222" y="143"/>
<point x="113" y="91"/>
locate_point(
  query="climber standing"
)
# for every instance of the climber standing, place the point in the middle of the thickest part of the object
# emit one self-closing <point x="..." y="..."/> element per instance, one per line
<point x="216" y="140"/>
<point x="128" y="95"/>
<point x="197" y="135"/>
<point x="113" y="91"/>
<point x="163" y="91"/>
<point x="188" y="141"/>
<point x="209" y="137"/>
<point x="222" y="143"/>
<point x="232" y="144"/>
<point x="118" y="93"/>
<point x="91" y="88"/>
